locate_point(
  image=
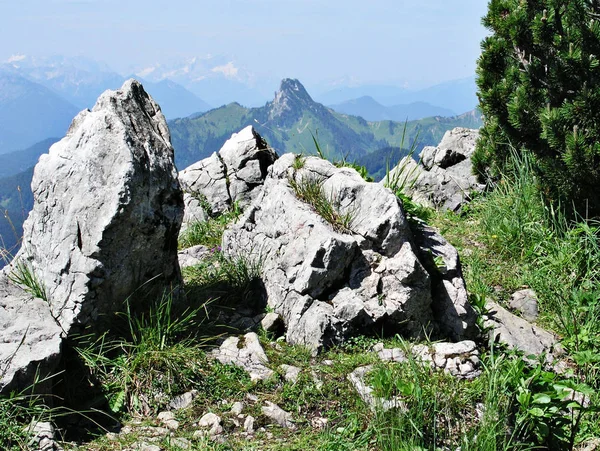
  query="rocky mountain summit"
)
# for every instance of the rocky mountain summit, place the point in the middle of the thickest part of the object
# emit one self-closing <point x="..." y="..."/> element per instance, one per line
<point x="337" y="259"/>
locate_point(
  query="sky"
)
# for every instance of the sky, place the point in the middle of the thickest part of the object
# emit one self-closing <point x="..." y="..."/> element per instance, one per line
<point x="412" y="43"/>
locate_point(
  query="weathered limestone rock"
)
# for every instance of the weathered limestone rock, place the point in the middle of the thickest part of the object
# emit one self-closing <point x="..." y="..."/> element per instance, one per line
<point x="30" y="338"/>
<point x="230" y="175"/>
<point x="519" y="334"/>
<point x="526" y="303"/>
<point x="192" y="255"/>
<point x="183" y="401"/>
<point x="291" y="373"/>
<point x="247" y="353"/>
<point x="459" y="359"/>
<point x="106" y="216"/>
<point x="443" y="179"/>
<point x="278" y="416"/>
<point x="212" y="423"/>
<point x="451" y="308"/>
<point x="328" y="285"/>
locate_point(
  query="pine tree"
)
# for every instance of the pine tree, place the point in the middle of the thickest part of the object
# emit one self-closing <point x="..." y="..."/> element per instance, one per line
<point x="539" y="89"/>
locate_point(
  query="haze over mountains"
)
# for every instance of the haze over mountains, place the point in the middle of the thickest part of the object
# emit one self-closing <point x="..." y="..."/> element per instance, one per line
<point x="40" y="96"/>
<point x="290" y="120"/>
<point x="32" y="87"/>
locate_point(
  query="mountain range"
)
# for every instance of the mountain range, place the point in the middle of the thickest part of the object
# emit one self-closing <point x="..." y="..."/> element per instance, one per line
<point x="368" y="108"/>
<point x="38" y="99"/>
<point x="458" y="96"/>
<point x="288" y="123"/>
<point x="292" y="118"/>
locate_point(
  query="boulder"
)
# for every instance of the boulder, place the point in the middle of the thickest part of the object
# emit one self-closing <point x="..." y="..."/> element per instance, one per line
<point x="104" y="225"/>
<point x="327" y="282"/>
<point x="443" y="178"/>
<point x="247" y="353"/>
<point x="231" y="175"/>
<point x="518" y="334"/>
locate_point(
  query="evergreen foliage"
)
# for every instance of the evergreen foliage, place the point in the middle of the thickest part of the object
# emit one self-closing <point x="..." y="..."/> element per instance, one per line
<point x="539" y="88"/>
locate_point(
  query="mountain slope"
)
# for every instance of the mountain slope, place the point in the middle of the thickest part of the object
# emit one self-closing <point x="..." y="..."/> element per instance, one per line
<point x="15" y="162"/>
<point x="368" y="108"/>
<point x="16" y="200"/>
<point x="30" y="112"/>
<point x="81" y="81"/>
<point x="288" y="121"/>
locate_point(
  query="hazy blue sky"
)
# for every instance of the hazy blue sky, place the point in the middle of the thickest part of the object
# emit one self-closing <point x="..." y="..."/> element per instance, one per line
<point x="395" y="41"/>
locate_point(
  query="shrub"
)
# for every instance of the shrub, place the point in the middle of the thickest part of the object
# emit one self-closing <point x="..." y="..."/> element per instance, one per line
<point x="538" y="80"/>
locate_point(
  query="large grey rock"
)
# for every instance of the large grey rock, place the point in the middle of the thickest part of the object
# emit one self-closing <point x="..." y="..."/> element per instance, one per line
<point x="106" y="216"/>
<point x="519" y="334"/>
<point x="443" y="179"/>
<point x="230" y="175"/>
<point x="328" y="285"/>
<point x="30" y="338"/>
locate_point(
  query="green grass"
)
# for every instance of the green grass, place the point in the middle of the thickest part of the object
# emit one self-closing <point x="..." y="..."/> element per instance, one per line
<point x="309" y="189"/>
<point x="210" y="232"/>
<point x="155" y="355"/>
<point x="23" y="275"/>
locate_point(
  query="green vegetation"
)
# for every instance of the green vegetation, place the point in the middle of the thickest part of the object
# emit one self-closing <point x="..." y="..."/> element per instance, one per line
<point x="310" y="189"/>
<point x="538" y="86"/>
<point x="342" y="137"/>
<point x="23" y="275"/>
<point x="155" y="357"/>
<point x="210" y="232"/>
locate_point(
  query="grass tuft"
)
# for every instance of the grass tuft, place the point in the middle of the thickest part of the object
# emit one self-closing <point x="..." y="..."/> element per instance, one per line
<point x="309" y="189"/>
<point x="23" y="275"/>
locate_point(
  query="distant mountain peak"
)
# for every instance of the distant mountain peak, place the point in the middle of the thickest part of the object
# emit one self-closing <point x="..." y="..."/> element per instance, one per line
<point x="292" y="96"/>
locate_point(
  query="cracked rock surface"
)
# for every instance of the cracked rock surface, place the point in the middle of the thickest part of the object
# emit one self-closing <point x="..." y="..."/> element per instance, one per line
<point x="106" y="216"/>
<point x="230" y="175"/>
<point x="519" y="334"/>
<point x="328" y="285"/>
<point x="443" y="179"/>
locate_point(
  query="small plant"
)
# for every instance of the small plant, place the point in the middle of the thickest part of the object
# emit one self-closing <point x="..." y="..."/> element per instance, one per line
<point x="299" y="161"/>
<point x="309" y="189"/>
<point x="155" y="358"/>
<point x="210" y="232"/>
<point x="23" y="275"/>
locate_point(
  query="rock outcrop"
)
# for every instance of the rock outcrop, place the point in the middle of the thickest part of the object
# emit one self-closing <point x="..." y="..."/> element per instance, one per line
<point x="230" y="175"/>
<point x="518" y="334"/>
<point x="328" y="283"/>
<point x="106" y="217"/>
<point x="443" y="179"/>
